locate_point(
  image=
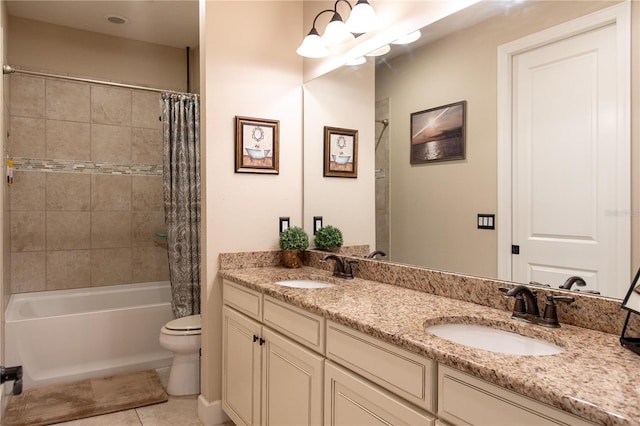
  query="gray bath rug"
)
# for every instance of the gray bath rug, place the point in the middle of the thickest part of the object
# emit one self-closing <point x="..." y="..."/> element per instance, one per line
<point x="86" y="398"/>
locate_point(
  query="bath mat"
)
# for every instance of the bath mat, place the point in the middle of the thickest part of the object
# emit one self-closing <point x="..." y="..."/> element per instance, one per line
<point x="86" y="398"/>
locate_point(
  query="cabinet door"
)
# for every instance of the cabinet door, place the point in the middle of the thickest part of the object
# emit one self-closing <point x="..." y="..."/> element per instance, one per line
<point x="240" y="367"/>
<point x="292" y="381"/>
<point x="352" y="401"/>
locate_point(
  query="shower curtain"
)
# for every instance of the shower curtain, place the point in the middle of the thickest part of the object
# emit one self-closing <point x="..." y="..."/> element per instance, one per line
<point x="181" y="188"/>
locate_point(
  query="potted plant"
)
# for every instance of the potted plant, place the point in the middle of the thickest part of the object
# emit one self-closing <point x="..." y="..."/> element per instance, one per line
<point x="293" y="241"/>
<point x="328" y="238"/>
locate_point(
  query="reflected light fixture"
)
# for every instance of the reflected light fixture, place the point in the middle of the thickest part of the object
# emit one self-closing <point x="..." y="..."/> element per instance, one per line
<point x="356" y="61"/>
<point x="380" y="51"/>
<point x="409" y="38"/>
<point x="362" y="18"/>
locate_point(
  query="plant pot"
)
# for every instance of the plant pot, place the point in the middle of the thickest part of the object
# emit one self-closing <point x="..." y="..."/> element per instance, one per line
<point x="330" y="249"/>
<point x="292" y="258"/>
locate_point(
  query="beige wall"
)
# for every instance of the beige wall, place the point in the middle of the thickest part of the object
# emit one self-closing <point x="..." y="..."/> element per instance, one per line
<point x="434" y="207"/>
<point x="249" y="68"/>
<point x="343" y="98"/>
<point x="45" y="47"/>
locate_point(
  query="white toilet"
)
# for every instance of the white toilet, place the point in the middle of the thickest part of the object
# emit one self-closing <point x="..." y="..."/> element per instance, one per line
<point x="182" y="337"/>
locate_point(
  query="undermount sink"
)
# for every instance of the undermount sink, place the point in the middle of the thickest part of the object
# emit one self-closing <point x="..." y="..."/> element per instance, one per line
<point x="304" y="284"/>
<point x="493" y="339"/>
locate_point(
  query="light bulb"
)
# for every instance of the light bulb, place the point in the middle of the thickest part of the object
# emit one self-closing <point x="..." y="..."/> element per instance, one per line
<point x="336" y="32"/>
<point x="312" y="46"/>
<point x="362" y="18"/>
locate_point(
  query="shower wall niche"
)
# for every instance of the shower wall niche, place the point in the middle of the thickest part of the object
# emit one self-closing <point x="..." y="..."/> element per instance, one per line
<point x="87" y="194"/>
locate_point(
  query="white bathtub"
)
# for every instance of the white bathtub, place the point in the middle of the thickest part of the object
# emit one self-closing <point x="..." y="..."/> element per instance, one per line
<point x="66" y="335"/>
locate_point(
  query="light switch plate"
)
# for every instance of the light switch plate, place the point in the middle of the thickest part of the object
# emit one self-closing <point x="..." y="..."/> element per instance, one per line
<point x="486" y="221"/>
<point x="317" y="223"/>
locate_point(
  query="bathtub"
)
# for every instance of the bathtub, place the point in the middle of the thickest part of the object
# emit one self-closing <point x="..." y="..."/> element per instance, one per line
<point x="67" y="335"/>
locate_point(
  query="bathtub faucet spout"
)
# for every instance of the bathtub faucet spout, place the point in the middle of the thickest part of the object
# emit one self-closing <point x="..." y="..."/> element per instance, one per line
<point x="12" y="373"/>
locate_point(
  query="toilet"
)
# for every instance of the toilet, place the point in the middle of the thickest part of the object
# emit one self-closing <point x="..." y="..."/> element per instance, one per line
<point x="182" y="337"/>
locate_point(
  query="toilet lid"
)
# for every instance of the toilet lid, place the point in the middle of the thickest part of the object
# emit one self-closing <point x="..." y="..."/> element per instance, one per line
<point x="192" y="322"/>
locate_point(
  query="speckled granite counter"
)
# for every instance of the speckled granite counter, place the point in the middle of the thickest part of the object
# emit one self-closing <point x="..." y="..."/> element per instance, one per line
<point x="594" y="378"/>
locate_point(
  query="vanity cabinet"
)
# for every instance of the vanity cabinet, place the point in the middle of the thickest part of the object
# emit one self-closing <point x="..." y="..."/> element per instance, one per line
<point x="375" y="382"/>
<point x="267" y="378"/>
<point x="467" y="400"/>
<point x="350" y="400"/>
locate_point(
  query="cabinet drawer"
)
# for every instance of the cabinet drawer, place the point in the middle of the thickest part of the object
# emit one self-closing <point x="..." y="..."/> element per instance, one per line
<point x="404" y="373"/>
<point x="467" y="400"/>
<point x="243" y="299"/>
<point x="304" y="327"/>
<point x="350" y="400"/>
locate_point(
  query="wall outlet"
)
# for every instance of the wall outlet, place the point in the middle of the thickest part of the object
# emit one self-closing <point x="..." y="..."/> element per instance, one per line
<point x="284" y="224"/>
<point x="317" y="223"/>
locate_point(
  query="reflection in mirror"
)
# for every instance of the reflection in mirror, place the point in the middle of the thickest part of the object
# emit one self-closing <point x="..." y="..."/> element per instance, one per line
<point x="426" y="215"/>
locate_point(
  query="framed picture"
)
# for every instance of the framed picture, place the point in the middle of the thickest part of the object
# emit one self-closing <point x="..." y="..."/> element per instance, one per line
<point x="257" y="145"/>
<point x="438" y="134"/>
<point x="340" y="152"/>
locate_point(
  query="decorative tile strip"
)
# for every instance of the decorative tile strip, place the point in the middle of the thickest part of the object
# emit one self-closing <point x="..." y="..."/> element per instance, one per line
<point x="82" y="166"/>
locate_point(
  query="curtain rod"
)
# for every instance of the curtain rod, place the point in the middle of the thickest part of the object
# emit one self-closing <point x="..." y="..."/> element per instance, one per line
<point x="8" y="69"/>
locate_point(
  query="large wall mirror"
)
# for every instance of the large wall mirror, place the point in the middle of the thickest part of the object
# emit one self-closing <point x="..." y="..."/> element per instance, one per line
<point x="426" y="215"/>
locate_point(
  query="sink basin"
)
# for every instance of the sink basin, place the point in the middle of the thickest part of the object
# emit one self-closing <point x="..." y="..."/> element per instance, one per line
<point x="493" y="339"/>
<point x="305" y="284"/>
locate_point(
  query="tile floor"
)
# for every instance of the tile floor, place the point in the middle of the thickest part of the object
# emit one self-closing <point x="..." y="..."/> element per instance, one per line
<point x="178" y="411"/>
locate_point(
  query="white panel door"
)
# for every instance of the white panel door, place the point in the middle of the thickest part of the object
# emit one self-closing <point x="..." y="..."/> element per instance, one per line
<point x="565" y="151"/>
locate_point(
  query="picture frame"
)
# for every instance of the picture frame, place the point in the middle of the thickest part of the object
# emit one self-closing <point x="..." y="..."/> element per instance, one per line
<point x="340" y="152"/>
<point x="438" y="134"/>
<point x="257" y="145"/>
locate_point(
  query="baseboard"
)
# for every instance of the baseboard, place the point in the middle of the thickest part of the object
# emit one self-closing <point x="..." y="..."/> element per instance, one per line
<point x="210" y="413"/>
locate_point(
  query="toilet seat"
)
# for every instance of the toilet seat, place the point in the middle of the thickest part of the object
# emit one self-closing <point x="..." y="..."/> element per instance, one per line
<point x="188" y="325"/>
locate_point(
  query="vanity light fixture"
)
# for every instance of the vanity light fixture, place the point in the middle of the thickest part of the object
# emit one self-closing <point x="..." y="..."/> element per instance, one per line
<point x="409" y="38"/>
<point x="362" y="18"/>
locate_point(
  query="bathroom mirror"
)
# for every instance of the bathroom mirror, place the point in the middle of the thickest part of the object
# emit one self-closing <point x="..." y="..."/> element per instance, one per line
<point x="456" y="191"/>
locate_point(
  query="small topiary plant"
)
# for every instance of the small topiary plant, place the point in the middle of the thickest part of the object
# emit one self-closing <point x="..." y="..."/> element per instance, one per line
<point x="294" y="238"/>
<point x="328" y="237"/>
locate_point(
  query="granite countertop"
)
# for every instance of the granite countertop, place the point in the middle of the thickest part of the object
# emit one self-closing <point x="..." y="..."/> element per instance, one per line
<point x="594" y="378"/>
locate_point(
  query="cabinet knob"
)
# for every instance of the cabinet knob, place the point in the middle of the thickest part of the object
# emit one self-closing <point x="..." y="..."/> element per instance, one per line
<point x="255" y="338"/>
<point x="262" y="341"/>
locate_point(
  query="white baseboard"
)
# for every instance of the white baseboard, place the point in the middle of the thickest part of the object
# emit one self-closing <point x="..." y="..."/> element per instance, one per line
<point x="210" y="413"/>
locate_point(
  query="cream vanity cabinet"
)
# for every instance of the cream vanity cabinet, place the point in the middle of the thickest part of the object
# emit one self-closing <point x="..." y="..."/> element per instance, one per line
<point x="393" y="377"/>
<point x="267" y="377"/>
<point x="467" y="400"/>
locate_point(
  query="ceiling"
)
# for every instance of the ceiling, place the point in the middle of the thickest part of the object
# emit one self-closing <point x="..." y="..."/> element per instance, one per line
<point x="167" y="22"/>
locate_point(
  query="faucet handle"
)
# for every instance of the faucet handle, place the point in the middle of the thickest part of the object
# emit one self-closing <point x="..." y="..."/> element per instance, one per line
<point x="550" y="316"/>
<point x="519" y="308"/>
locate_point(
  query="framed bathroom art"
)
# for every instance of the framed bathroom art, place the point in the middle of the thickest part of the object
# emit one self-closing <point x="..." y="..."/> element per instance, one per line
<point x="257" y="145"/>
<point x="340" y="152"/>
<point x="438" y="134"/>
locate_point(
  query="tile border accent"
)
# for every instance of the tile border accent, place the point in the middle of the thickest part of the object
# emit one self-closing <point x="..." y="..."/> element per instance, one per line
<point x="84" y="166"/>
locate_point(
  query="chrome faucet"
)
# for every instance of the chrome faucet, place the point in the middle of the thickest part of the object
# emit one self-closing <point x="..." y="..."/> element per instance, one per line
<point x="341" y="269"/>
<point x="573" y="280"/>
<point x="375" y="253"/>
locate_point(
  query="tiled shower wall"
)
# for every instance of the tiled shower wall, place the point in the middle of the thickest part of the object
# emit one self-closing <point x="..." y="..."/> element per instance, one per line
<point x="87" y="194"/>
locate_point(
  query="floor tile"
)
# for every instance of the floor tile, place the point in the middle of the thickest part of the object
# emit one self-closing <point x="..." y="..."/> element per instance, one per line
<point x="181" y="411"/>
<point x="120" y="418"/>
